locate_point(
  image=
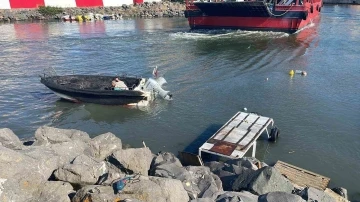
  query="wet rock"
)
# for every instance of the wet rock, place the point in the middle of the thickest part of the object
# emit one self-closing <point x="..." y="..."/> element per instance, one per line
<point x="262" y="181"/>
<point x="132" y="160"/>
<point x="96" y="193"/>
<point x="311" y="194"/>
<point x="159" y="14"/>
<point x="243" y="196"/>
<point x="103" y="145"/>
<point x="9" y="139"/>
<point x="53" y="191"/>
<point x="48" y="135"/>
<point x="83" y="170"/>
<point x="280" y="197"/>
<point x="154" y="189"/>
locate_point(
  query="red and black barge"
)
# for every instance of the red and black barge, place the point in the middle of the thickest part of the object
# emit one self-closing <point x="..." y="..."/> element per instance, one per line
<point x="254" y="15"/>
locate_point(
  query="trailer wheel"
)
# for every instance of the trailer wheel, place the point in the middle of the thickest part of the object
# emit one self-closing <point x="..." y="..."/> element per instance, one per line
<point x="274" y="134"/>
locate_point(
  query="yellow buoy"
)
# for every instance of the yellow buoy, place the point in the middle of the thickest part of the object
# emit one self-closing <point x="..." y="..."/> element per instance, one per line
<point x="291" y="72"/>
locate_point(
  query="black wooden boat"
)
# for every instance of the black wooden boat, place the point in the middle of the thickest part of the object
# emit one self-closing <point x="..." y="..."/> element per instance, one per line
<point x="97" y="89"/>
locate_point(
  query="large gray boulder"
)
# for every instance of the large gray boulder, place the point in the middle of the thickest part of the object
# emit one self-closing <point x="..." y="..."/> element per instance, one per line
<point x="228" y="171"/>
<point x="166" y="158"/>
<point x="280" y="197"/>
<point x="247" y="162"/>
<point x="51" y="157"/>
<point x="103" y="145"/>
<point x="113" y="173"/>
<point x="20" y="187"/>
<point x="200" y="182"/>
<point x="262" y="181"/>
<point x="155" y="189"/>
<point x="311" y="194"/>
<point x="83" y="170"/>
<point x="48" y="135"/>
<point x="225" y="172"/>
<point x="20" y="176"/>
<point x="13" y="162"/>
<point x="96" y="193"/>
<point x="243" y="196"/>
<point x="215" y="166"/>
<point x="53" y="191"/>
<point x="166" y="165"/>
<point x="9" y="139"/>
<point x="133" y="160"/>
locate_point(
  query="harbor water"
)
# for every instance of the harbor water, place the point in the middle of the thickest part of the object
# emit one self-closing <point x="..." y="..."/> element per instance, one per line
<point x="212" y="75"/>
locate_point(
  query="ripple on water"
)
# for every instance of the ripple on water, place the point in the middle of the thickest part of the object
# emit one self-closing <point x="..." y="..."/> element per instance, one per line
<point x="225" y="34"/>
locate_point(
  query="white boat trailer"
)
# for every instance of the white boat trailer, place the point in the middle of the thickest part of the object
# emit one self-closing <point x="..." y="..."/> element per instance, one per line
<point x="237" y="135"/>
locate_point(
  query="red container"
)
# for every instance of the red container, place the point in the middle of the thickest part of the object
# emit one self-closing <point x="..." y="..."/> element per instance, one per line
<point x="89" y="3"/>
<point x="138" y="1"/>
<point x="26" y="3"/>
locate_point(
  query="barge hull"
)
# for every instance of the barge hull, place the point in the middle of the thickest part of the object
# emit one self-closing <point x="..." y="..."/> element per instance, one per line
<point x="283" y="19"/>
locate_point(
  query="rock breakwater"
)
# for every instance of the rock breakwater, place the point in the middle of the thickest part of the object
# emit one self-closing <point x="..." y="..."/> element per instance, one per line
<point x="146" y="10"/>
<point x="62" y="165"/>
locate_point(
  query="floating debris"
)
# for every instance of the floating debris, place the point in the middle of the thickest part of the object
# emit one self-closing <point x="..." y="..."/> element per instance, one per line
<point x="292" y="72"/>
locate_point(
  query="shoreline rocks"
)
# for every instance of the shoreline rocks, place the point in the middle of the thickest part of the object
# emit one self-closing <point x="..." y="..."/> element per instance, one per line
<point x="68" y="166"/>
<point x="145" y="10"/>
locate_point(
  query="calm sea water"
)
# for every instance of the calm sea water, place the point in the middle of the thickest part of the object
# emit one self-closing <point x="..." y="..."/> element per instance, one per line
<point x="212" y="76"/>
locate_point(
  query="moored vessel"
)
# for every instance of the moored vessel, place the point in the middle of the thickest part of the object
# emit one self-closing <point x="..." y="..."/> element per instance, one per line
<point x="98" y="89"/>
<point x="273" y="15"/>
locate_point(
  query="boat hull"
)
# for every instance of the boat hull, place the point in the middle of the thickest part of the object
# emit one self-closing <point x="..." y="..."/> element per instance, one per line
<point x="111" y="99"/>
<point x="78" y="89"/>
<point x="244" y="23"/>
<point x="290" y="21"/>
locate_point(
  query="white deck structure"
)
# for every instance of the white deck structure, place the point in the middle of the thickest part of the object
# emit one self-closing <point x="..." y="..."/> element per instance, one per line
<point x="236" y="136"/>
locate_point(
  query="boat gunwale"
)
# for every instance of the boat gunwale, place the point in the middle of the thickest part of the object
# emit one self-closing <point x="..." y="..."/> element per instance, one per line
<point x="55" y="86"/>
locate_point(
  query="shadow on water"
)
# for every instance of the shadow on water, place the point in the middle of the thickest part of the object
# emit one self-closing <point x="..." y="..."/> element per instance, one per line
<point x="43" y="95"/>
<point x="194" y="146"/>
<point x="98" y="113"/>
